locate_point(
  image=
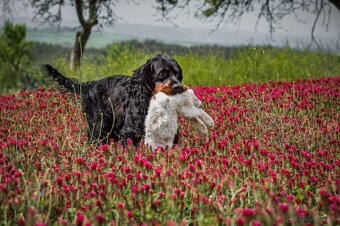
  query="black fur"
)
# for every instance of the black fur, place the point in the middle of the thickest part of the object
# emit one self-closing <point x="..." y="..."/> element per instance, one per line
<point x="116" y="106"/>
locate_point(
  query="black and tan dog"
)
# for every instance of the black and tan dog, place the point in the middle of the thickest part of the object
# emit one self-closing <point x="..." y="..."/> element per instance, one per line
<point x="116" y="106"/>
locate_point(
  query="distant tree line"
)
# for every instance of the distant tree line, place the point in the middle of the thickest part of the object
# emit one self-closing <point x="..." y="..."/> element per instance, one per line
<point x="43" y="51"/>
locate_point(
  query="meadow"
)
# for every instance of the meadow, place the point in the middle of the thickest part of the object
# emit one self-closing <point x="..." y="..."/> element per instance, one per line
<point x="272" y="158"/>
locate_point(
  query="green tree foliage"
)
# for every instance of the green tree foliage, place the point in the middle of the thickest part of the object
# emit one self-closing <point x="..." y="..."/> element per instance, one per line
<point x="15" y="56"/>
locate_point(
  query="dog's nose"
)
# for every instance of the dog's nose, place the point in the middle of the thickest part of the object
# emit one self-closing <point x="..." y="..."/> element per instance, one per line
<point x="177" y="88"/>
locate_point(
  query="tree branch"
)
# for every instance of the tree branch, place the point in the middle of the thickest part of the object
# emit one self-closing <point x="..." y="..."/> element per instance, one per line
<point x="93" y="13"/>
<point x="79" y="10"/>
<point x="272" y="10"/>
<point x="318" y="13"/>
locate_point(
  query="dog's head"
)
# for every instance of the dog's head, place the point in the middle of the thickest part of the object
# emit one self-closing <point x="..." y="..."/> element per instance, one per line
<point x="162" y="70"/>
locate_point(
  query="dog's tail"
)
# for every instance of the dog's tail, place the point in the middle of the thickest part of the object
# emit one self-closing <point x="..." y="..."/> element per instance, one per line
<point x="64" y="83"/>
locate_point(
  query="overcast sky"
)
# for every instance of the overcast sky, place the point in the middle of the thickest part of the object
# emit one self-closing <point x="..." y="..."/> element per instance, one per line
<point x="145" y="13"/>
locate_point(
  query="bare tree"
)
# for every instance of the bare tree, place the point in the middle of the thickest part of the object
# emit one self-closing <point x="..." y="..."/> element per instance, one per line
<point x="90" y="13"/>
<point x="273" y="11"/>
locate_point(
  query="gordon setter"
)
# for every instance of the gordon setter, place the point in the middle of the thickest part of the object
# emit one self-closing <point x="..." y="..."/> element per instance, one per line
<point x="116" y="106"/>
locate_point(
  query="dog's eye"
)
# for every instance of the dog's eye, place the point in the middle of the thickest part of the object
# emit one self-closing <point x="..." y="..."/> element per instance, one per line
<point x="163" y="74"/>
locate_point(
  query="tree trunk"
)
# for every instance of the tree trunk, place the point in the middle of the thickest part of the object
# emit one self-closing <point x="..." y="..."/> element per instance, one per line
<point x="79" y="48"/>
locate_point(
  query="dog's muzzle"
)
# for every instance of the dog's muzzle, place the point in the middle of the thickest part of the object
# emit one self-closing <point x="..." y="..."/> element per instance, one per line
<point x="177" y="88"/>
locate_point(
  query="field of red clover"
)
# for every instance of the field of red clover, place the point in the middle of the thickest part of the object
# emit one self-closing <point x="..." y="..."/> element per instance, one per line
<point x="272" y="158"/>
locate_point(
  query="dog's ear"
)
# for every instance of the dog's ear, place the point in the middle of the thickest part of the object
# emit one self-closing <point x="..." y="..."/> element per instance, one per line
<point x="144" y="69"/>
<point x="144" y="74"/>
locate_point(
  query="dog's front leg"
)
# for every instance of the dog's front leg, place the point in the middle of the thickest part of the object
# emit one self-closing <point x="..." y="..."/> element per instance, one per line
<point x="176" y="139"/>
<point x="129" y="132"/>
<point x="133" y="126"/>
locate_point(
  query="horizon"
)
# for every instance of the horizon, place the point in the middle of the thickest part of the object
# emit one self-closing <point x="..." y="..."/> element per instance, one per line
<point x="142" y="32"/>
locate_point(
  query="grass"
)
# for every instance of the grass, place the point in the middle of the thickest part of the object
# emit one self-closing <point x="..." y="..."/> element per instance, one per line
<point x="202" y="65"/>
<point x="213" y="67"/>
